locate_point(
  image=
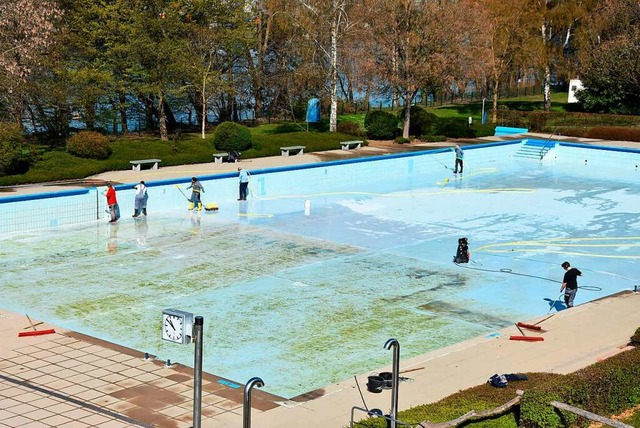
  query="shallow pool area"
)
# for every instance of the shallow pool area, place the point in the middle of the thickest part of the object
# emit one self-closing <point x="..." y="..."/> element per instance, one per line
<point x="302" y="284"/>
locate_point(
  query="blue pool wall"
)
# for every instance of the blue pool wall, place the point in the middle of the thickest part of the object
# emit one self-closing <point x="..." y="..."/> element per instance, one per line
<point x="52" y="209"/>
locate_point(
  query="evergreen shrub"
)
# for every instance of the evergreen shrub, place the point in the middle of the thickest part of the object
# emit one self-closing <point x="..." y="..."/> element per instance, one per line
<point x="350" y="127"/>
<point x="455" y="128"/>
<point x="421" y="122"/>
<point x="381" y="125"/>
<point x="89" y="144"/>
<point x="14" y="153"/>
<point x="232" y="136"/>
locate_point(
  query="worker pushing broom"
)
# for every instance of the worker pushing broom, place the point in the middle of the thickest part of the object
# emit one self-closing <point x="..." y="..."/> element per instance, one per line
<point x="196" y="198"/>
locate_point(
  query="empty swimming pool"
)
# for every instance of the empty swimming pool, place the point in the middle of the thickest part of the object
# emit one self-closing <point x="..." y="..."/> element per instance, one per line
<point x="302" y="284"/>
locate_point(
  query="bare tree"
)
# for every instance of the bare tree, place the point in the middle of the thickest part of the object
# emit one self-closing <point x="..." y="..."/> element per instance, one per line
<point x="27" y="31"/>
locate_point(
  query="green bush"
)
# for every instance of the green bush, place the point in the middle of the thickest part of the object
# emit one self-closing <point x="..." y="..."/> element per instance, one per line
<point x="432" y="138"/>
<point x="635" y="339"/>
<point x="455" y="128"/>
<point x="402" y="140"/>
<point x="89" y="144"/>
<point x="232" y="136"/>
<point x="350" y="128"/>
<point x="381" y="125"/>
<point x="421" y="121"/>
<point x="14" y="153"/>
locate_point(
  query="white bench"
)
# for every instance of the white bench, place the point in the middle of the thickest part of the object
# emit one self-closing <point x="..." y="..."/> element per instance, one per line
<point x="346" y="145"/>
<point x="136" y="164"/>
<point x="219" y="157"/>
<point x="299" y="150"/>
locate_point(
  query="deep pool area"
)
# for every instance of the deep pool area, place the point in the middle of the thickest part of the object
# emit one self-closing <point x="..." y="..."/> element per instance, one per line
<point x="302" y="284"/>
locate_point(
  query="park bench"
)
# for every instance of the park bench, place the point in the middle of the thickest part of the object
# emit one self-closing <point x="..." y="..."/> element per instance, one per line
<point x="137" y="164"/>
<point x="299" y="150"/>
<point x="347" y="145"/>
<point x="219" y="157"/>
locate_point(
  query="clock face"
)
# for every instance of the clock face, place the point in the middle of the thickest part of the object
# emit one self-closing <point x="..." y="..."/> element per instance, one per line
<point x="172" y="328"/>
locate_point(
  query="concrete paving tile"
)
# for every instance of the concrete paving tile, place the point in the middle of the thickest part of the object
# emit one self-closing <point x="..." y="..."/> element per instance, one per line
<point x="29" y="374"/>
<point x="114" y="378"/>
<point x="79" y="378"/>
<point x="77" y="413"/>
<point x="227" y="404"/>
<point x="59" y="384"/>
<point x="36" y="424"/>
<point x="128" y="383"/>
<point x="90" y="358"/>
<point x="15" y="370"/>
<point x="77" y="424"/>
<point x="162" y="382"/>
<point x="176" y="387"/>
<point x="38" y="414"/>
<point x="54" y="358"/>
<point x="5" y="414"/>
<point x="42" y="354"/>
<point x="23" y="409"/>
<point x="105" y="400"/>
<point x="67" y="362"/>
<point x="22" y="359"/>
<point x="89" y="395"/>
<point x="174" y="411"/>
<point x="95" y="383"/>
<point x="119" y="358"/>
<point x="146" y="377"/>
<point x="45" y="380"/>
<point x="94" y="419"/>
<point x="108" y="388"/>
<point x="74" y="353"/>
<point x="85" y="369"/>
<point x="61" y="407"/>
<point x="132" y="372"/>
<point x="120" y="406"/>
<point x="105" y="353"/>
<point x="99" y="372"/>
<point x="73" y="389"/>
<point x="28" y="350"/>
<point x="57" y="420"/>
<point x="115" y="424"/>
<point x="17" y="421"/>
<point x="79" y="344"/>
<point x="27" y="396"/>
<point x="44" y="402"/>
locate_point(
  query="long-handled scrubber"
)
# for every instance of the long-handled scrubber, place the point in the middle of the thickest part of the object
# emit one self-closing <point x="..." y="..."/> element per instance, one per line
<point x="207" y="207"/>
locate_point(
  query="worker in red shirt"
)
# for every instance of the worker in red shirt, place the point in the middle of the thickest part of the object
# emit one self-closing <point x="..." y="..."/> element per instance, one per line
<point x="112" y="203"/>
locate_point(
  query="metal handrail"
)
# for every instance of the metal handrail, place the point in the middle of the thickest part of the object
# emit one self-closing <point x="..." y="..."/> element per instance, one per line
<point x="548" y="146"/>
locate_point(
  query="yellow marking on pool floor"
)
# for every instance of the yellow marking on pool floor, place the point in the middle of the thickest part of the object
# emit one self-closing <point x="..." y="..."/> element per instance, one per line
<point x="620" y="242"/>
<point x="404" y="195"/>
<point x="254" y="215"/>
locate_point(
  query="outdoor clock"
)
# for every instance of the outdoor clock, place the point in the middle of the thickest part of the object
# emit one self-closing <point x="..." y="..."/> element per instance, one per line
<point x="177" y="326"/>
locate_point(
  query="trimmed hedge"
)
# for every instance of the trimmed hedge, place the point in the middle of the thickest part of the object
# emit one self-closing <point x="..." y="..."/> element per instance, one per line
<point x="232" y="136"/>
<point x="381" y="125"/>
<point x="89" y="145"/>
<point x="614" y="133"/>
<point x="540" y="121"/>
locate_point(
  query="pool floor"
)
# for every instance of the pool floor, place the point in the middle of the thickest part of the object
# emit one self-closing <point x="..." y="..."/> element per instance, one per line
<point x="306" y="299"/>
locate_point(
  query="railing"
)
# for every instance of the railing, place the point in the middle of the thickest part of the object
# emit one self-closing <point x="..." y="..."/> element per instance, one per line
<point x="548" y="145"/>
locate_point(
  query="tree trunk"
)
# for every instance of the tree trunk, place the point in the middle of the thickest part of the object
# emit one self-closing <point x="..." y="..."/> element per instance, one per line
<point x="162" y="118"/>
<point x="90" y="115"/>
<point x="496" y="87"/>
<point x="547" y="88"/>
<point x="122" y="106"/>
<point x="407" y="113"/>
<point x="333" y="115"/>
<point x="203" y="115"/>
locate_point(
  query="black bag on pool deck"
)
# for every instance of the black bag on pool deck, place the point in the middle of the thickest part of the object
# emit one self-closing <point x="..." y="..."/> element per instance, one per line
<point x="499" y="381"/>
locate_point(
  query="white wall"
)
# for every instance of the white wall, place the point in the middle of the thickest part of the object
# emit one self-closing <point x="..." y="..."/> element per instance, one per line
<point x="574" y="85"/>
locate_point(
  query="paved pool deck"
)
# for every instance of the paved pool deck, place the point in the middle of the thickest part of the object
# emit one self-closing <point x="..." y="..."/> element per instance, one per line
<point x="67" y="379"/>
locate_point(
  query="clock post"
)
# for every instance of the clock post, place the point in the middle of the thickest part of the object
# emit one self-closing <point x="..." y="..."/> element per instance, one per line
<point x="197" y="372"/>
